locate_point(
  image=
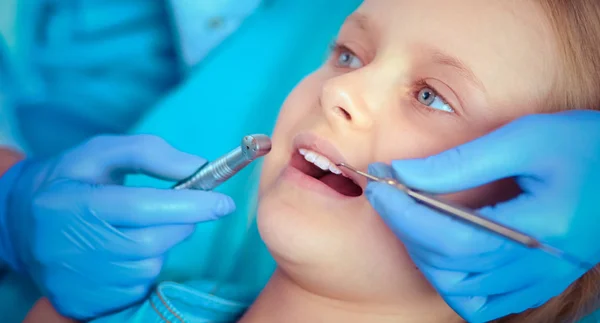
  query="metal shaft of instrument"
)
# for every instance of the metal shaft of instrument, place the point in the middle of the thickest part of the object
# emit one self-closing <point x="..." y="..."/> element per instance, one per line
<point x="474" y="218"/>
<point x="215" y="173"/>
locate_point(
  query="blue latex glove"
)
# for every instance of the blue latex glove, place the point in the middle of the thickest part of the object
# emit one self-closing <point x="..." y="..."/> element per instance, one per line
<point x="556" y="161"/>
<point x="92" y="245"/>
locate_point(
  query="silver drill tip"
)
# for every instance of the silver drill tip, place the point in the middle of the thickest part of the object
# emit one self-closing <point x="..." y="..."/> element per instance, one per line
<point x="255" y="146"/>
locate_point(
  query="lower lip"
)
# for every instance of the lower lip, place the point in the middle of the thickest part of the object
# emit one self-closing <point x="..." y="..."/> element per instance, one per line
<point x="311" y="184"/>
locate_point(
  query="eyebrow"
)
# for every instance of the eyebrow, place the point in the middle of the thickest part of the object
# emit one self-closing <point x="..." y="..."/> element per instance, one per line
<point x="360" y="20"/>
<point x="442" y="58"/>
<point x="439" y="57"/>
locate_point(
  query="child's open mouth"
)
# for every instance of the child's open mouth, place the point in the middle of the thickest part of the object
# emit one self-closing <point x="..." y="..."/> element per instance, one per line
<point x="317" y="166"/>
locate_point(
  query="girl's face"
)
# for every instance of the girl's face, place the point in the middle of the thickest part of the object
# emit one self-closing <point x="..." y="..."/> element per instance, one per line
<point x="407" y="79"/>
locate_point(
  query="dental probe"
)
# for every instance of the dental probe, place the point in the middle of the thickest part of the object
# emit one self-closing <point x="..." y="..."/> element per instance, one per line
<point x="474" y="218"/>
<point x="220" y="170"/>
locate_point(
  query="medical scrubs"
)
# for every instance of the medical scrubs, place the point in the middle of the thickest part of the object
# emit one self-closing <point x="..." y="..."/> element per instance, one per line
<point x="194" y="302"/>
<point x="7" y="131"/>
<point x="86" y="67"/>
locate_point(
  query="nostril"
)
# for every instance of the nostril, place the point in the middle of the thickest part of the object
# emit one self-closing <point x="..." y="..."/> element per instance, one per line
<point x="343" y="113"/>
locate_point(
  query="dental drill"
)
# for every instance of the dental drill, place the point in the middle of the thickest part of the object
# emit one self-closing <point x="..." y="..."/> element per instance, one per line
<point x="213" y="174"/>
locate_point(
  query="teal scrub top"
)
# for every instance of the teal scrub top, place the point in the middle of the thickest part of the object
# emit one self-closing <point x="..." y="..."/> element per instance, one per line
<point x="192" y="302"/>
<point x="82" y="67"/>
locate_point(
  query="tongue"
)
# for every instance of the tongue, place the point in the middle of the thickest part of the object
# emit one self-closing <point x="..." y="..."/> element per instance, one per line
<point x="341" y="184"/>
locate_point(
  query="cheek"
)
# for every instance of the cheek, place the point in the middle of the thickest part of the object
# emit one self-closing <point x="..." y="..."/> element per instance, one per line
<point x="413" y="140"/>
<point x="418" y="134"/>
<point x="417" y="141"/>
<point x="295" y="112"/>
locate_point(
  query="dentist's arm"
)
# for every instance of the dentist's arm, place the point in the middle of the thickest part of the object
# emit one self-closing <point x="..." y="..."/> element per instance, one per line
<point x="92" y="245"/>
<point x="43" y="312"/>
<point x="8" y="158"/>
<point x="555" y="159"/>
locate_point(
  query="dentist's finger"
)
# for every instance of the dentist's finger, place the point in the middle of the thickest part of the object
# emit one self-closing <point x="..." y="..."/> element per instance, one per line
<point x="407" y="218"/>
<point x="104" y="158"/>
<point x="143" y="207"/>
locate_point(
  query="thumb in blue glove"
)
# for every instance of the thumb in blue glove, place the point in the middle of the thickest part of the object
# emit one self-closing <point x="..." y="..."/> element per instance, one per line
<point x="92" y="245"/>
<point x="555" y="161"/>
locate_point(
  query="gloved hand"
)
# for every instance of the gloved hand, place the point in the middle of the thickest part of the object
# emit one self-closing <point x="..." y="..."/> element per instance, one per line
<point x="555" y="159"/>
<point x="92" y="245"/>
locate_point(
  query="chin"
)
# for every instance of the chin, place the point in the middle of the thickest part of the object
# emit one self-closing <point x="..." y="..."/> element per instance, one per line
<point x="298" y="230"/>
<point x="336" y="252"/>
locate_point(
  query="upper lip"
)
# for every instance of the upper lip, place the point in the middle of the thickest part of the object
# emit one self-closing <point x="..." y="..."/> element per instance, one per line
<point x="322" y="146"/>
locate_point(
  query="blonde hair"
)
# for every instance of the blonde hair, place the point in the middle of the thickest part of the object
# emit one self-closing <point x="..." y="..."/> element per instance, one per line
<point x="576" y="24"/>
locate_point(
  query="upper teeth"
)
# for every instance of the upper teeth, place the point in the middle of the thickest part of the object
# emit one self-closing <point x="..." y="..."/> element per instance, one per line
<point x="321" y="161"/>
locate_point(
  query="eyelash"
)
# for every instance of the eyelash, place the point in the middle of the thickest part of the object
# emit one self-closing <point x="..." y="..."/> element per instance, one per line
<point x="337" y="48"/>
<point x="420" y="85"/>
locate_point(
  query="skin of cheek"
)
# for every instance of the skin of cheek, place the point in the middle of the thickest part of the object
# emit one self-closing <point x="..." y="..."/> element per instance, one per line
<point x="424" y="142"/>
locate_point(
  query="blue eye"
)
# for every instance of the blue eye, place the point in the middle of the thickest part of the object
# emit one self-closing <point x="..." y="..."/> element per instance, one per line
<point x="430" y="98"/>
<point x="347" y="59"/>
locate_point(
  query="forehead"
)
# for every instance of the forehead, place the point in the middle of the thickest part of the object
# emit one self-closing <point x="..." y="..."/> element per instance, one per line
<point x="508" y="44"/>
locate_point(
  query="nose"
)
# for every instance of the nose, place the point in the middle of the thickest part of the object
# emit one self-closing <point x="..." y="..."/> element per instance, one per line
<point x="343" y="102"/>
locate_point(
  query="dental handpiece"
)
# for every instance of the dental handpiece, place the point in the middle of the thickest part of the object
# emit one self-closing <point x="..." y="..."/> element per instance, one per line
<point x="213" y="174"/>
<point x="476" y="219"/>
